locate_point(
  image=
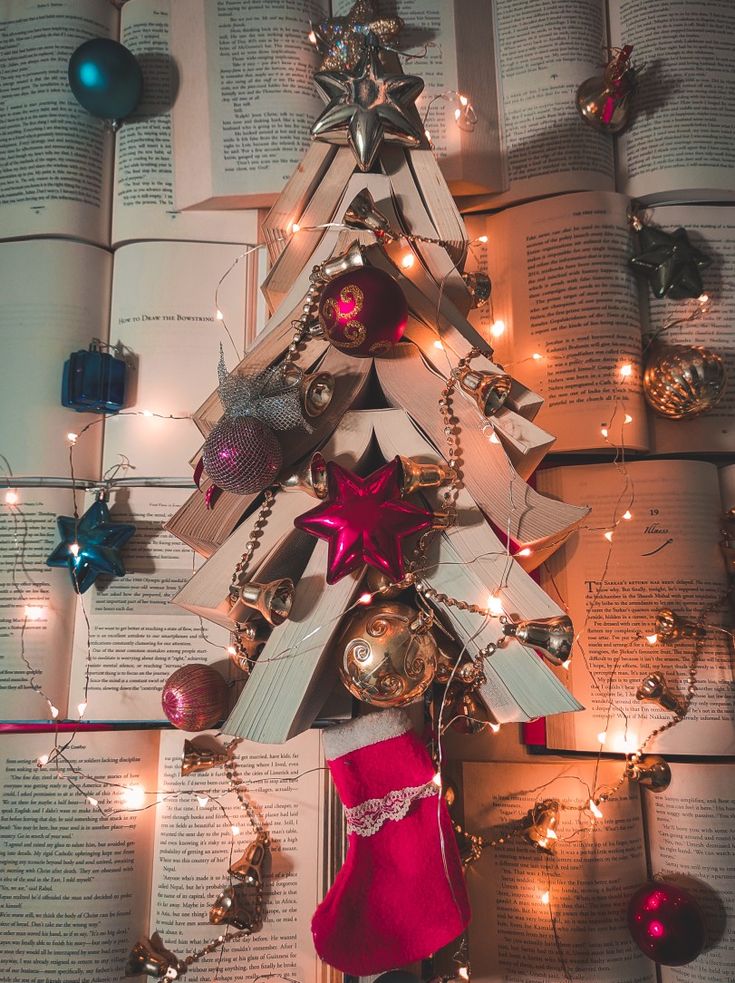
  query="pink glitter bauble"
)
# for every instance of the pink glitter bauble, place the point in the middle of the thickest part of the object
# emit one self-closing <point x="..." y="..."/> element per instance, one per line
<point x="242" y="455"/>
<point x="195" y="697"/>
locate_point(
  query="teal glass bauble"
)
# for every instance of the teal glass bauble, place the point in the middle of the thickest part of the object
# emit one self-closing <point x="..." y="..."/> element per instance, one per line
<point x="106" y="79"/>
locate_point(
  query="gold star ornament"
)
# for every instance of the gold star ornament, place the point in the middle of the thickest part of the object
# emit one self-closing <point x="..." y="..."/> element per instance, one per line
<point x="341" y="41"/>
<point x="367" y="106"/>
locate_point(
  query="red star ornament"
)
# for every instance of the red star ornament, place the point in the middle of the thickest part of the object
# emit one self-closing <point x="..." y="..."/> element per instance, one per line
<point x="364" y="520"/>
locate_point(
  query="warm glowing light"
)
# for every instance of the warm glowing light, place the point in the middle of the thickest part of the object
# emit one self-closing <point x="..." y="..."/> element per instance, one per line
<point x="42" y="761"/>
<point x="482" y="239"/>
<point x="627" y="514"/>
<point x="312" y="37"/>
<point x="537" y="356"/>
<point x="609" y="535"/>
<point x="495" y="605"/>
<point x="54" y="711"/>
<point x="202" y="800"/>
<point x="457" y="114"/>
<point x="219" y="315"/>
<point x="524" y="552"/>
<point x="92" y="801"/>
<point x="295" y="228"/>
<point x="595" y="809"/>
<point x="626" y="371"/>
<point x="550" y="834"/>
<point x="72" y="437"/>
<point x="134" y="797"/>
<point x="703" y="298"/>
<point x="74" y="549"/>
<point x="493" y="438"/>
<point x="497" y="329"/>
<point x="545" y="898"/>
<point x="365" y="598"/>
<point x="463" y="101"/>
<point x="439" y="345"/>
<point x="235" y="830"/>
<point x="604" y="431"/>
<point x="437" y="779"/>
<point x="427" y="135"/>
<point x="602" y="737"/>
<point x="147" y="412"/>
<point x="628" y="418"/>
<point x="11" y="497"/>
<point x="81" y="708"/>
<point x="231" y="650"/>
<point x="408" y="260"/>
<point x="33" y="613"/>
<point x="652" y="639"/>
<point x="463" y="973"/>
<point x="566" y="663"/>
<point x="495" y="728"/>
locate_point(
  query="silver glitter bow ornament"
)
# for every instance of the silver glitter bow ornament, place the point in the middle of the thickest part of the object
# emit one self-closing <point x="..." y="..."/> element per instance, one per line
<point x="270" y="396"/>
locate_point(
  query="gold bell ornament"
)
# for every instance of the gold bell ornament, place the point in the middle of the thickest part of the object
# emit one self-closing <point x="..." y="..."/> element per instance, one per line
<point x="655" y="689"/>
<point x="235" y="906"/>
<point x="415" y="476"/>
<point x="683" y="381"/>
<point x="651" y="771"/>
<point x="317" y="389"/>
<point x="386" y="654"/>
<point x="247" y="643"/>
<point x="272" y="601"/>
<point x="603" y="101"/>
<point x="542" y="822"/>
<point x="150" y="957"/>
<point x="311" y="478"/>
<point x="249" y="868"/>
<point x="670" y="627"/>
<point x="198" y="758"/>
<point x="489" y="390"/>
<point x="362" y="213"/>
<point x="465" y="710"/>
<point x="552" y="637"/>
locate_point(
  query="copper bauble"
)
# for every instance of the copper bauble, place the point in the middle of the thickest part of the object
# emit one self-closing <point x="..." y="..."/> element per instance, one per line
<point x="683" y="381"/>
<point x="195" y="697"/>
<point x="386" y="654"/>
<point x="363" y="312"/>
<point x="242" y="455"/>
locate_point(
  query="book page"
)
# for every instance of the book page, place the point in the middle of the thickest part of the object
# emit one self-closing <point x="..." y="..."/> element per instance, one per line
<point x="545" y="49"/>
<point x="74" y="887"/>
<point x="163" y="313"/>
<point x="195" y="847"/>
<point x="690" y="830"/>
<point x="137" y="638"/>
<point x="562" y="287"/>
<point x="56" y="299"/>
<point x="56" y="157"/>
<point x="28" y="534"/>
<point x="666" y="556"/>
<point x="711" y="229"/>
<point x="681" y="142"/>
<point x="144" y="199"/>
<point x="589" y="878"/>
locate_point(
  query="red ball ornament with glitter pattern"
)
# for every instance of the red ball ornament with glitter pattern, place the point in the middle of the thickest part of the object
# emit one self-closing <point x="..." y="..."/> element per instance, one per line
<point x="363" y="312"/>
<point x="666" y="923"/>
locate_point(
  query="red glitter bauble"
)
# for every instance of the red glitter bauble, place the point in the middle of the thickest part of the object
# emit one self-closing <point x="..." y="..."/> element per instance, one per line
<point x="364" y="312"/>
<point x="666" y="923"/>
<point x="195" y="697"/>
<point x="242" y="455"/>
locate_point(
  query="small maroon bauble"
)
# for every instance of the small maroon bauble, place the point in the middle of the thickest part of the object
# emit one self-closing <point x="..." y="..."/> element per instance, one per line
<point x="242" y="455"/>
<point x="363" y="312"/>
<point x="195" y="697"/>
<point x="666" y="923"/>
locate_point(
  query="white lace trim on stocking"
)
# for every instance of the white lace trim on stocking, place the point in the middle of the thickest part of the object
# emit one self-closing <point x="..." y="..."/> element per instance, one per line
<point x="369" y="816"/>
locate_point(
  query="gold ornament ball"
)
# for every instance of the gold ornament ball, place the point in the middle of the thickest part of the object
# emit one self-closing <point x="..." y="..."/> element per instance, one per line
<point x="386" y="654"/>
<point x="683" y="381"/>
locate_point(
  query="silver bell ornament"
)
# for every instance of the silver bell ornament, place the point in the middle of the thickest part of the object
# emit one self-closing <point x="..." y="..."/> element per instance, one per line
<point x="682" y="381"/>
<point x="553" y="637"/>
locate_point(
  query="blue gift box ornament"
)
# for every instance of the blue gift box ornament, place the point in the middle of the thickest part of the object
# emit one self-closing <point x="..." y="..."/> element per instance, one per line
<point x="94" y="381"/>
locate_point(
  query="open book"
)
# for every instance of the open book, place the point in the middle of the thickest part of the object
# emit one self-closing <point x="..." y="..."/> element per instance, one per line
<point x="79" y="890"/>
<point x="63" y="173"/>
<point x="575" y="313"/>
<point x="519" y="63"/>
<point x="156" y="303"/>
<point x="680" y="834"/>
<point x="666" y="556"/>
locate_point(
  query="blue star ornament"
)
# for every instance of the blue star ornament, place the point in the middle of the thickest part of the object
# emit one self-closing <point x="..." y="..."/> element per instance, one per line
<point x="90" y="546"/>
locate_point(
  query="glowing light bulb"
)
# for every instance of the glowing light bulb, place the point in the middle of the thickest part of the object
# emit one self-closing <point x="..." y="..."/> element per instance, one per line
<point x="54" y="711"/>
<point x="595" y="809"/>
<point x="427" y="135"/>
<point x="457" y="114"/>
<point x="493" y="438"/>
<point x="235" y="830"/>
<point x="537" y="356"/>
<point x="545" y="898"/>
<point x="202" y="800"/>
<point x="495" y="605"/>
<point x="219" y="315"/>
<point x="92" y="801"/>
<point x="463" y="101"/>
<point x="602" y="737"/>
<point x="72" y="437"/>
<point x="81" y="708"/>
<point x="703" y="298"/>
<point x="482" y="239"/>
<point x="147" y="412"/>
<point x="365" y="598"/>
<point x="134" y="797"/>
<point x="609" y="535"/>
<point x="628" y="418"/>
<point x="42" y="761"/>
<point x="439" y="345"/>
<point x="495" y="728"/>
<point x="463" y="973"/>
<point x="33" y="613"/>
<point x="231" y="650"/>
<point x="312" y="37"/>
<point x="652" y="639"/>
<point x="295" y="227"/>
<point x="626" y="371"/>
<point x="566" y="664"/>
<point x="408" y="260"/>
<point x="11" y="497"/>
<point x="551" y="834"/>
<point x="497" y="329"/>
<point x="437" y="779"/>
<point x="74" y="549"/>
<point x="524" y="552"/>
<point x="604" y="431"/>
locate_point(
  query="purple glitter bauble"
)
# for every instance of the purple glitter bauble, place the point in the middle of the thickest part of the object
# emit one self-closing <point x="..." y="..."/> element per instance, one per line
<point x="195" y="697"/>
<point x="242" y="455"/>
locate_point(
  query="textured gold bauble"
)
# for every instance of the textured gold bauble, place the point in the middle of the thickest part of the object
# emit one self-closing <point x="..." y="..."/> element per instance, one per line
<point x="386" y="654"/>
<point x="683" y="381"/>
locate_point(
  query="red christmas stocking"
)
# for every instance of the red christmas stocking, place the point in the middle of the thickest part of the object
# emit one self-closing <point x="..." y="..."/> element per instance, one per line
<point x="400" y="894"/>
